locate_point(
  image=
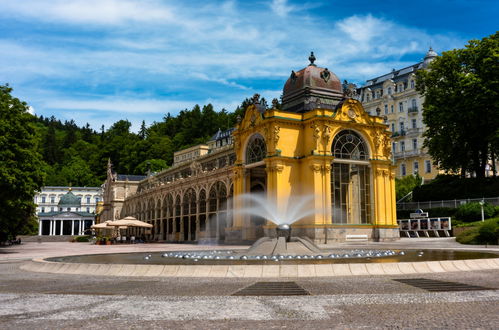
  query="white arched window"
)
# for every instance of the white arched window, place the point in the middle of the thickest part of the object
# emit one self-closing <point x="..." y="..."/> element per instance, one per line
<point x="256" y="149"/>
<point x="350" y="179"/>
<point x="349" y="145"/>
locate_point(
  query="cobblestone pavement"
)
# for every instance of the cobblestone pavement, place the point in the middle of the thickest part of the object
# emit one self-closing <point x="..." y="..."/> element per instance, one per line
<point x="55" y="301"/>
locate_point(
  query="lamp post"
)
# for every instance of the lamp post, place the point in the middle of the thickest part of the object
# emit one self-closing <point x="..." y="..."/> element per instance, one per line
<point x="482" y="202"/>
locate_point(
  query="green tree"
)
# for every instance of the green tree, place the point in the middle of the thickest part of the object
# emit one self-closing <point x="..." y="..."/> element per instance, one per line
<point x="21" y="173"/>
<point x="405" y="185"/>
<point x="77" y="173"/>
<point x="143" y="130"/>
<point x="461" y="106"/>
<point x="153" y="165"/>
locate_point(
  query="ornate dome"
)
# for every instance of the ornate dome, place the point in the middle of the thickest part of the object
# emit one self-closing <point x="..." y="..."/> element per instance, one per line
<point x="69" y="199"/>
<point x="311" y="87"/>
<point x="430" y="56"/>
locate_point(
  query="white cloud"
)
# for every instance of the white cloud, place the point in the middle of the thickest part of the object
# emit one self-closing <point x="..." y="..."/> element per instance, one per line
<point x="119" y="105"/>
<point x="105" y="12"/>
<point x="281" y="7"/>
<point x="145" y="58"/>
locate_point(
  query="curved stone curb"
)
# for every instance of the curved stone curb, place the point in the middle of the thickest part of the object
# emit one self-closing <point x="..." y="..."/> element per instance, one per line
<point x="261" y="271"/>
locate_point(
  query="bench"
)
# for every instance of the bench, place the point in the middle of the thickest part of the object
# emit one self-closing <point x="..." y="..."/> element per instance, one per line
<point x="356" y="238"/>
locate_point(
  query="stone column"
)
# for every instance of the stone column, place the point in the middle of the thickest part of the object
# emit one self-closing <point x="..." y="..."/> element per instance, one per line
<point x="39" y="227"/>
<point x="50" y="227"/>
<point x="161" y="219"/>
<point x="72" y="227"/>
<point x="62" y="226"/>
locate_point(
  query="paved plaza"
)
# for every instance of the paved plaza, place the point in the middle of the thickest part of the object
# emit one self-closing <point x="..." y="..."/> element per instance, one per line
<point x="53" y="301"/>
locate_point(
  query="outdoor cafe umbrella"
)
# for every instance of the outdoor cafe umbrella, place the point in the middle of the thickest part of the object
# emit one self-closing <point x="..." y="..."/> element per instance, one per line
<point x="101" y="226"/>
<point x="130" y="222"/>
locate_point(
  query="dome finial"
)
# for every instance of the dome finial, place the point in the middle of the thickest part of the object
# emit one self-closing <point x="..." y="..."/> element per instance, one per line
<point x="311" y="58"/>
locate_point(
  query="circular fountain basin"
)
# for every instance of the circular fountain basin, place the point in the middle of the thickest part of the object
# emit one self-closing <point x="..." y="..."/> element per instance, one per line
<point x="236" y="257"/>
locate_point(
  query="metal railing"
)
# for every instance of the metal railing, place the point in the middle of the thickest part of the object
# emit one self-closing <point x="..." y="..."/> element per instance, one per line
<point x="452" y="203"/>
<point x="404" y="154"/>
<point x="398" y="133"/>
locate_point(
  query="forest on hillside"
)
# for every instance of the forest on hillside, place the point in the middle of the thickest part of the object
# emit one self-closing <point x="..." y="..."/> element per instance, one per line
<point x="78" y="156"/>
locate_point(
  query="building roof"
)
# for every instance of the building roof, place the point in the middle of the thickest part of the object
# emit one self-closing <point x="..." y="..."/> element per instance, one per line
<point x="129" y="177"/>
<point x="56" y="213"/>
<point x="69" y="199"/>
<point x="311" y="87"/>
<point x="399" y="75"/>
<point x="222" y="134"/>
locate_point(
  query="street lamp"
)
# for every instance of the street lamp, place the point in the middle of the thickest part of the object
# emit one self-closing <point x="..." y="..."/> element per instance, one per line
<point x="482" y="202"/>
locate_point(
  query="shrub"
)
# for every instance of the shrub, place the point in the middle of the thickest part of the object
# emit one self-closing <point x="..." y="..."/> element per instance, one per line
<point x="445" y="187"/>
<point x="472" y="212"/>
<point x="488" y="233"/>
<point x="82" y="239"/>
<point x="469" y="236"/>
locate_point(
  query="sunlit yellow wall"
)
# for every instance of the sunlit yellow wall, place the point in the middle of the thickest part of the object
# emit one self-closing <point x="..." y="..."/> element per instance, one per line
<point x="299" y="159"/>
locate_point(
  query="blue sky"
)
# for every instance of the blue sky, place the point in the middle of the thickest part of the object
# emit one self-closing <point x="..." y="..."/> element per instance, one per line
<point x="99" y="61"/>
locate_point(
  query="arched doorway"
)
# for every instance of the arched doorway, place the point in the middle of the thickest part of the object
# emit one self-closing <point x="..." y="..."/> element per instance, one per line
<point x="350" y="179"/>
<point x="189" y="215"/>
<point x="256" y="151"/>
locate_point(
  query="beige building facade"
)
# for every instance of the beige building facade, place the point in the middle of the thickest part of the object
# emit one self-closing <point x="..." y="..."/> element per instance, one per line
<point x="394" y="97"/>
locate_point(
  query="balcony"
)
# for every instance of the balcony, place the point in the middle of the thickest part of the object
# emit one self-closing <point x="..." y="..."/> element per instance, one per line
<point x="412" y="110"/>
<point x="406" y="154"/>
<point x="398" y="133"/>
<point x="413" y="132"/>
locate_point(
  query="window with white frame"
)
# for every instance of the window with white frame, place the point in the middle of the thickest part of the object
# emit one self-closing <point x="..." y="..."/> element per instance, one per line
<point x="386" y="109"/>
<point x="402" y="146"/>
<point x="414" y="123"/>
<point x="415" y="144"/>
<point x="416" y="167"/>
<point x="402" y="170"/>
<point x="401" y="107"/>
<point x="412" y="84"/>
<point x="427" y="164"/>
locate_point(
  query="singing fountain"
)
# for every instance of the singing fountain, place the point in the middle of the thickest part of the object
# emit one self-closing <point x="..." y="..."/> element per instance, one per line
<point x="283" y="248"/>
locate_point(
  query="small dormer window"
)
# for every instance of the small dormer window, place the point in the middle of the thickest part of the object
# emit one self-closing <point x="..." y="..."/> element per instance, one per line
<point x="389" y="91"/>
<point x="412" y="84"/>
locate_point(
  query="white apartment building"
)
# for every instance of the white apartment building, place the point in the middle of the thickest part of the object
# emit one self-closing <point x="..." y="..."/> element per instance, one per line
<point x="394" y="96"/>
<point x="48" y="198"/>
